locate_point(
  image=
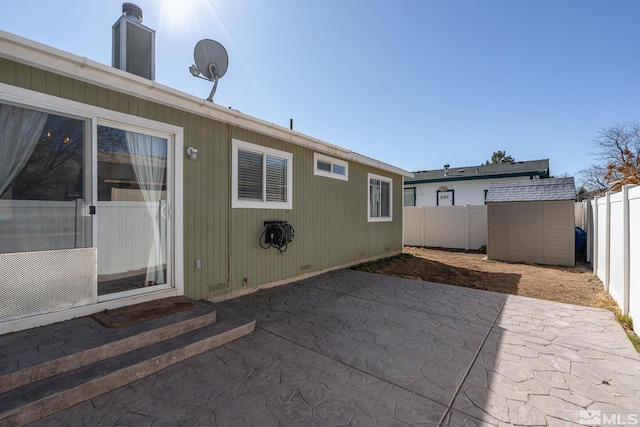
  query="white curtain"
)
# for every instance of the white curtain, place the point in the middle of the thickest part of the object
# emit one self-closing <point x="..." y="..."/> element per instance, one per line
<point x="148" y="156"/>
<point x="21" y="129"/>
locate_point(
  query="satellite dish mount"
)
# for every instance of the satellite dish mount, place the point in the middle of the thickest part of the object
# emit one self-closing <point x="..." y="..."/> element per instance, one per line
<point x="211" y="64"/>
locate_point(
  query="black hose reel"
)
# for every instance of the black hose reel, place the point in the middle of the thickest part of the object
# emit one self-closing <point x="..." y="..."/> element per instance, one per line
<point x="276" y="234"/>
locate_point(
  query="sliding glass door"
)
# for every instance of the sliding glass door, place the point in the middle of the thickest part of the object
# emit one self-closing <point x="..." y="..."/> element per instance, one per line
<point x="132" y="209"/>
<point x="69" y="181"/>
<point x="87" y="209"/>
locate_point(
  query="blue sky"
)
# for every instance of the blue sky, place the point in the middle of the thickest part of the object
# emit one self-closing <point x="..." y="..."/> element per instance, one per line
<point x="414" y="83"/>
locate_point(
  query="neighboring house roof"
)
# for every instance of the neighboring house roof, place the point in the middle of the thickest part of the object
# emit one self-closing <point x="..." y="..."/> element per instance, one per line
<point x="532" y="190"/>
<point x="539" y="168"/>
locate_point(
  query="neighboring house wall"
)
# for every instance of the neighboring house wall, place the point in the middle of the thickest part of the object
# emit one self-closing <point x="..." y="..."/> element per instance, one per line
<point x="540" y="232"/>
<point x="471" y="192"/>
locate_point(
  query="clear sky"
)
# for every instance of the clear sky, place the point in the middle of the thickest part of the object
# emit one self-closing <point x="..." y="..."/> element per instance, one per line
<point x="413" y="83"/>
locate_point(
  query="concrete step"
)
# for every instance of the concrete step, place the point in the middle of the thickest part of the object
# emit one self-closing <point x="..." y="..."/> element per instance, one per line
<point x="33" y="355"/>
<point x="37" y="400"/>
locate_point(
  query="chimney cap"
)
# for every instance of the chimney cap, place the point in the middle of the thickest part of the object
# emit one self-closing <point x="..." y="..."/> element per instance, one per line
<point x="132" y="11"/>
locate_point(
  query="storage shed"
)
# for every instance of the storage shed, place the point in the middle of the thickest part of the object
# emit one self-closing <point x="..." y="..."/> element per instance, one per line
<point x="532" y="221"/>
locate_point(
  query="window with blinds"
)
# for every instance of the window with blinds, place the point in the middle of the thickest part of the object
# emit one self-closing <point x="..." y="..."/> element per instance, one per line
<point x="249" y="175"/>
<point x="261" y="177"/>
<point x="380" y="198"/>
<point x="276" y="179"/>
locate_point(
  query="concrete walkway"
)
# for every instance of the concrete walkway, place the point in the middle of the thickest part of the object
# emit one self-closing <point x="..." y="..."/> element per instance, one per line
<point x="354" y="348"/>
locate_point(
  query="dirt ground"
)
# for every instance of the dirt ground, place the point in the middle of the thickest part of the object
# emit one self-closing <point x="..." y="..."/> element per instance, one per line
<point x="573" y="285"/>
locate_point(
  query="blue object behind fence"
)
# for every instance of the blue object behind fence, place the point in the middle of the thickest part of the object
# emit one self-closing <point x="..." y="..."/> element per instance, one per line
<point x="581" y="241"/>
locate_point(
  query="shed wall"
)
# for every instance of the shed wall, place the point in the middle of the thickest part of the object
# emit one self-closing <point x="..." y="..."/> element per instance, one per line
<point x="329" y="216"/>
<point x="498" y="231"/>
<point x="534" y="232"/>
<point x="559" y="233"/>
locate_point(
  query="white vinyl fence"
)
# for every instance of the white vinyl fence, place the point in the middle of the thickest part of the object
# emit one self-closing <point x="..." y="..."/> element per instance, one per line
<point x="581" y="214"/>
<point x="125" y="236"/>
<point x="459" y="227"/>
<point x="40" y="225"/>
<point x="613" y="230"/>
<point x="124" y="230"/>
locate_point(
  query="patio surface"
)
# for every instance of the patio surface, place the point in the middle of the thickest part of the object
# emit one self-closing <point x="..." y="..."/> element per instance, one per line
<point x="355" y="348"/>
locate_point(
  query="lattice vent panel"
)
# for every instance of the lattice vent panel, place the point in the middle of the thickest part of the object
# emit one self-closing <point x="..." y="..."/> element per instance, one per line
<point x="46" y="281"/>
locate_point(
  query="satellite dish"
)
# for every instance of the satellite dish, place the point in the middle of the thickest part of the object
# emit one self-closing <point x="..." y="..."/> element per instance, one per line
<point x="212" y="62"/>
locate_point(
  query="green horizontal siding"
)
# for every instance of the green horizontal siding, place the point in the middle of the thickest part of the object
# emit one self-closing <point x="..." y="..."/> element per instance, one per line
<point x="329" y="216"/>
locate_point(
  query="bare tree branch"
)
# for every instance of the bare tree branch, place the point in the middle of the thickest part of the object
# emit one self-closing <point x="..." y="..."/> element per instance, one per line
<point x="618" y="155"/>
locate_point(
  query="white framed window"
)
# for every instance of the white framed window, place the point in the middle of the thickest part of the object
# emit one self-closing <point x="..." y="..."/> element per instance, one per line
<point x="261" y="177"/>
<point x="409" y="196"/>
<point x="380" y="197"/>
<point x="330" y="167"/>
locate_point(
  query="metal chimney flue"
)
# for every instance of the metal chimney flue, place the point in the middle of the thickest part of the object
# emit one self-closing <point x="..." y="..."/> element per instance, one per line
<point x="134" y="45"/>
<point x="132" y="11"/>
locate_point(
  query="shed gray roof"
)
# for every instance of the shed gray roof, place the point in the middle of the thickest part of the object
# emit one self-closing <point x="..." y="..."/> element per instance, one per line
<point x="499" y="170"/>
<point x="532" y="190"/>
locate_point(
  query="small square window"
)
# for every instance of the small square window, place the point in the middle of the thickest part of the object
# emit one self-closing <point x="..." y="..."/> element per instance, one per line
<point x="330" y="167"/>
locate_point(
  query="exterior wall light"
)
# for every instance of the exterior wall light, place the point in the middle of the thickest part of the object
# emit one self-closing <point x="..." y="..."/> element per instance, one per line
<point x="192" y="153"/>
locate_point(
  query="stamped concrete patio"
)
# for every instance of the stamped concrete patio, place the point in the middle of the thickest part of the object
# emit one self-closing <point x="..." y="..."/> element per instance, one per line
<point x="355" y="348"/>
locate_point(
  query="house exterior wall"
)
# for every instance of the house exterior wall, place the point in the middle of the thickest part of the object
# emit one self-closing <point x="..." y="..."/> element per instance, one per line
<point x="471" y="192"/>
<point x="329" y="216"/>
<point x="534" y="232"/>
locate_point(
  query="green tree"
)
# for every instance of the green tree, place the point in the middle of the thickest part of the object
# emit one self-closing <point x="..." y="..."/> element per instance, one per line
<point x="500" y="157"/>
